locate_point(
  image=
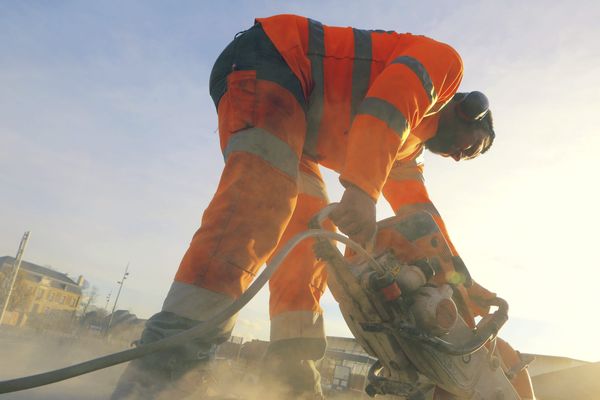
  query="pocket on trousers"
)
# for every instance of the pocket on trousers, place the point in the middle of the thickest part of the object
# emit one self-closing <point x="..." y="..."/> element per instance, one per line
<point x="241" y="86"/>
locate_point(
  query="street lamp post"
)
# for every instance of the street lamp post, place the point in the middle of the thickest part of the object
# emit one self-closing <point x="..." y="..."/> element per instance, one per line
<point x="14" y="273"/>
<point x="112" y="314"/>
<point x="107" y="301"/>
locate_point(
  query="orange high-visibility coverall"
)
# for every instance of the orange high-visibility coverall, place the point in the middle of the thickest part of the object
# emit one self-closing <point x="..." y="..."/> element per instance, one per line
<point x="352" y="103"/>
<point x="356" y="101"/>
<point x="361" y="94"/>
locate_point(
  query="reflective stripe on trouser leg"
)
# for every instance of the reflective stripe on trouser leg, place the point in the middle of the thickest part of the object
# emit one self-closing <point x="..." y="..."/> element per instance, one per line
<point x="299" y="283"/>
<point x="242" y="225"/>
<point x="262" y="127"/>
<point x="198" y="304"/>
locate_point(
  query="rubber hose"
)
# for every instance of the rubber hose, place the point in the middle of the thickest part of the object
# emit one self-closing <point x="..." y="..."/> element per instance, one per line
<point x="32" y="381"/>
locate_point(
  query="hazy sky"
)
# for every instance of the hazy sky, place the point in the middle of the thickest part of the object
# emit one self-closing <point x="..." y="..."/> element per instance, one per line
<point x="109" y="151"/>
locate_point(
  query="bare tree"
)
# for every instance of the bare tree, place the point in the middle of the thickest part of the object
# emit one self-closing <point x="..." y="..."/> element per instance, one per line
<point x="88" y="300"/>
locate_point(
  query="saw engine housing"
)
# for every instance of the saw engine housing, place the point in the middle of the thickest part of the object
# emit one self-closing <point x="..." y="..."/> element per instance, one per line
<point x="408" y="307"/>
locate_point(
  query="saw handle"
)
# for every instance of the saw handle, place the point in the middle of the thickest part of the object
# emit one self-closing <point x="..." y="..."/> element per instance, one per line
<point x="317" y="221"/>
<point x="326" y="250"/>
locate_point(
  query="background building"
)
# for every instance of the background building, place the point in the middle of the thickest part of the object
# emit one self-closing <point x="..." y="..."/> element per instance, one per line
<point x="41" y="295"/>
<point x="345" y="365"/>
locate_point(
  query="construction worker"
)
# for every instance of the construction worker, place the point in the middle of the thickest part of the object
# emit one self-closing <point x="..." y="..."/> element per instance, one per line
<point x="292" y="94"/>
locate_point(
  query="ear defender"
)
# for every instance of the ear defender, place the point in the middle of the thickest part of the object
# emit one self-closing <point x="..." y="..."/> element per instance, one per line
<point x="471" y="106"/>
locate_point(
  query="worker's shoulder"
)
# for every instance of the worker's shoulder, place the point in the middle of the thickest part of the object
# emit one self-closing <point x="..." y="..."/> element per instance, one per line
<point x="290" y="20"/>
<point x="429" y="43"/>
<point x="282" y="24"/>
<point x="282" y="19"/>
<point x="427" y="51"/>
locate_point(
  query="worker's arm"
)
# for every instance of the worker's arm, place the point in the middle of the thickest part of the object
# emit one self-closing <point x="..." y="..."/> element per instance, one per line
<point x="405" y="191"/>
<point x="419" y="79"/>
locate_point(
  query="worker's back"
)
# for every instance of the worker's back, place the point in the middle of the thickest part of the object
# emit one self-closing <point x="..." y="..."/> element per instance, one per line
<point x="337" y="66"/>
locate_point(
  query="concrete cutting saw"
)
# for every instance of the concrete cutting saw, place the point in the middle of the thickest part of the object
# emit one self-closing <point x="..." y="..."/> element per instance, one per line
<point x="406" y="302"/>
<point x="407" y="305"/>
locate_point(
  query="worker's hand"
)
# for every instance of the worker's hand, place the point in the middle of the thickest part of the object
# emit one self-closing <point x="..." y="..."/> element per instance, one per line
<point x="355" y="215"/>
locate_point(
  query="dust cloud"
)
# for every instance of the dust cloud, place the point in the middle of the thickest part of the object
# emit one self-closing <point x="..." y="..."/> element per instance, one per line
<point x="24" y="352"/>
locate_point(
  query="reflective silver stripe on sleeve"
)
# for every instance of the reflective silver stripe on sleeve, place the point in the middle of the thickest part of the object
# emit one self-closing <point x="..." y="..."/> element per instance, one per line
<point x="421" y="73"/>
<point x="361" y="70"/>
<point x="406" y="171"/>
<point x="312" y="186"/>
<point x="267" y="146"/>
<point x="316" y="51"/>
<point x="386" y="112"/>
<point x="418" y="207"/>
